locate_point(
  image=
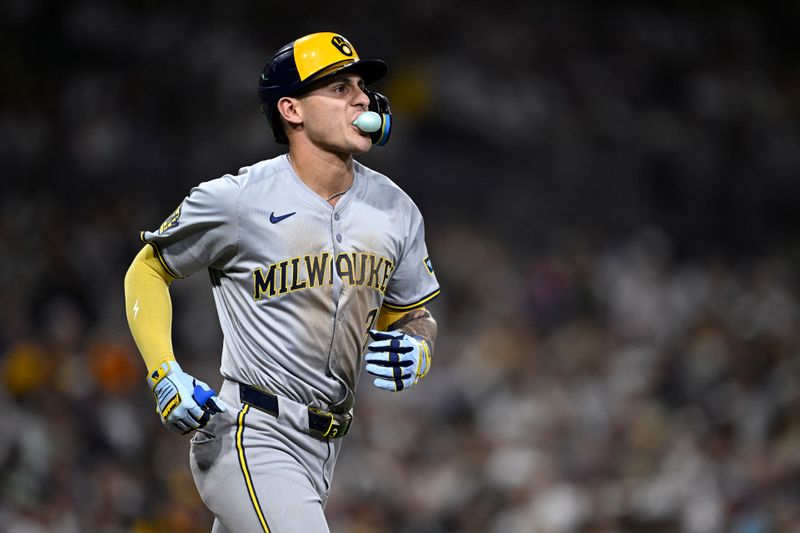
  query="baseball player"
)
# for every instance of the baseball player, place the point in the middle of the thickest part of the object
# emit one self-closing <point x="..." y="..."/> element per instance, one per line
<point x="317" y="264"/>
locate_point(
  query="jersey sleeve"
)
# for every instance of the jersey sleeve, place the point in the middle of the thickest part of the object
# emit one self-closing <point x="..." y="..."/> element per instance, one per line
<point x="413" y="281"/>
<point x="202" y="232"/>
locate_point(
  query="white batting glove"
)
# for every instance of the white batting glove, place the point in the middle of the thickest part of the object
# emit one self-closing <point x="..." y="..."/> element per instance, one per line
<point x="183" y="402"/>
<point x="396" y="359"/>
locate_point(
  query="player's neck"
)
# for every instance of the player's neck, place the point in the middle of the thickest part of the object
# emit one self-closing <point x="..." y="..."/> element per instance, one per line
<point x="325" y="173"/>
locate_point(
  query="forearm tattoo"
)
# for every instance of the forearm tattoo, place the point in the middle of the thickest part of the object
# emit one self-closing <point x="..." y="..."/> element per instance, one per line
<point x="418" y="322"/>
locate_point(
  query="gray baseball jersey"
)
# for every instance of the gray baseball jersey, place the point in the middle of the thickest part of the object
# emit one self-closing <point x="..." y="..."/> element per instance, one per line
<point x="297" y="282"/>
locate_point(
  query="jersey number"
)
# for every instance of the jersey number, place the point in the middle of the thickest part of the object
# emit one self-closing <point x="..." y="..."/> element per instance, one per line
<point x="372" y="316"/>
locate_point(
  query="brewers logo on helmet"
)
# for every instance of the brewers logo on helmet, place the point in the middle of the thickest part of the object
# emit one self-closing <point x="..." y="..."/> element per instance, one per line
<point x="309" y="59"/>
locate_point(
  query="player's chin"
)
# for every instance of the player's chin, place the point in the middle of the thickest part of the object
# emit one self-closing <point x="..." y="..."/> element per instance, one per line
<point x="360" y="143"/>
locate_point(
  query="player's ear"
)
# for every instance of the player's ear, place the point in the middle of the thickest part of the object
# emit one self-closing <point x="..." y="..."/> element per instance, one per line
<point x="290" y="111"/>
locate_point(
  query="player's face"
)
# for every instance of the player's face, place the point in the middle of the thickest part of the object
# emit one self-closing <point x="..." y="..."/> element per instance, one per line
<point x="329" y="112"/>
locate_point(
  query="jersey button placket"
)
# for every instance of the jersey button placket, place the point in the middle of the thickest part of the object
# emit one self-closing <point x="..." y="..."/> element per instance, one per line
<point x="335" y="226"/>
<point x="338" y="289"/>
<point x="337" y="240"/>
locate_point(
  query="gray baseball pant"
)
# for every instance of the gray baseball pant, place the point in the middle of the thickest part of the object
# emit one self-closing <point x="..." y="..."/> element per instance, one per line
<point x="260" y="473"/>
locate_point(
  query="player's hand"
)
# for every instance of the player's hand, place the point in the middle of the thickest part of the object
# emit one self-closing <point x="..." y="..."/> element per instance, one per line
<point x="396" y="359"/>
<point x="183" y="402"/>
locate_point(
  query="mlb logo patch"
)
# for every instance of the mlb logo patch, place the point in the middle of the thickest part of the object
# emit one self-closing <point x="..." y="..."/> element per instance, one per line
<point x="428" y="264"/>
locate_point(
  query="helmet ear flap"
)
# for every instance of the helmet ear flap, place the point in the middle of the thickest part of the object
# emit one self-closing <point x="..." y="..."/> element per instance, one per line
<point x="380" y="105"/>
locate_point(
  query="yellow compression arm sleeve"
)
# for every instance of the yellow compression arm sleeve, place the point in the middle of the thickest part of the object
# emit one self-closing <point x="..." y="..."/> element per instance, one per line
<point x="149" y="308"/>
<point x="389" y="317"/>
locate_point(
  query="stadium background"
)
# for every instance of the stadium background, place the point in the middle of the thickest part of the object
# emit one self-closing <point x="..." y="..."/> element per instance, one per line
<point x="611" y="200"/>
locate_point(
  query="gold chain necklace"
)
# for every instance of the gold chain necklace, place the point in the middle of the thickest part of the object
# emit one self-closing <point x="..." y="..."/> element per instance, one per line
<point x="334" y="195"/>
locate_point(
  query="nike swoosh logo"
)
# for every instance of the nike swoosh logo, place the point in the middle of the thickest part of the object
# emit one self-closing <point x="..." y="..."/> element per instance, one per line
<point x="275" y="220"/>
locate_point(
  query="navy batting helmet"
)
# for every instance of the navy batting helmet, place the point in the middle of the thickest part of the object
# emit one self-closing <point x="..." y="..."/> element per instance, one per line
<point x="305" y="61"/>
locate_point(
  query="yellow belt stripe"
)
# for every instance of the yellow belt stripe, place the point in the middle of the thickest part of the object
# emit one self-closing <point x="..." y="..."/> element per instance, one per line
<point x="245" y="471"/>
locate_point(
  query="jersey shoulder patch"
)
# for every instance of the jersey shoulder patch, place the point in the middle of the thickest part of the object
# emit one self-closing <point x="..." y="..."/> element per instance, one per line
<point x="171" y="221"/>
<point x="428" y="264"/>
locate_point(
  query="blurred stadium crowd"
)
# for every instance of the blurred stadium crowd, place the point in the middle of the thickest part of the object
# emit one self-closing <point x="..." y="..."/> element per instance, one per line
<point x="611" y="201"/>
